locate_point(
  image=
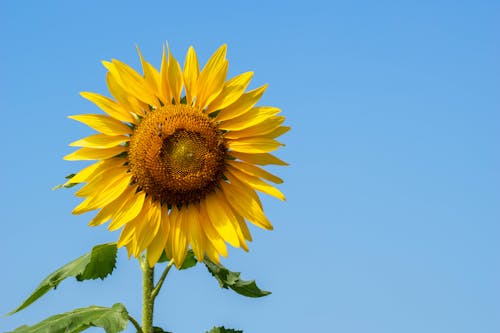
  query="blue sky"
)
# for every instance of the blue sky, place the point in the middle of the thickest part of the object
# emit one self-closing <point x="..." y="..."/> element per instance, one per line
<point x="392" y="219"/>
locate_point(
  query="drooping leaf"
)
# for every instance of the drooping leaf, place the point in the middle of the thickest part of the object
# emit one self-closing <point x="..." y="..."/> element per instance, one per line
<point x="157" y="329"/>
<point x="112" y="320"/>
<point x="190" y="260"/>
<point x="98" y="263"/>
<point x="222" y="329"/>
<point x="228" y="279"/>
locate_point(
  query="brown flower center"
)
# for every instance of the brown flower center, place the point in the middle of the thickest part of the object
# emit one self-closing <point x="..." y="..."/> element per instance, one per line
<point x="177" y="155"/>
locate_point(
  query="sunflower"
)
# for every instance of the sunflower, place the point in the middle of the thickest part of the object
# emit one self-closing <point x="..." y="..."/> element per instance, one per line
<point x="178" y="157"/>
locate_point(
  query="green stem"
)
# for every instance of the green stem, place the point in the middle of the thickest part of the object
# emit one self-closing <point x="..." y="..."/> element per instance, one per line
<point x="148" y="274"/>
<point x="135" y="323"/>
<point x="157" y="288"/>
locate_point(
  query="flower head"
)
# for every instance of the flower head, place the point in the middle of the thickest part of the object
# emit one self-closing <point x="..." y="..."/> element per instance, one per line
<point x="178" y="154"/>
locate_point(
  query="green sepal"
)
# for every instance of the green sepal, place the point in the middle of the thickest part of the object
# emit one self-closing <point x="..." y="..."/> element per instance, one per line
<point x="189" y="262"/>
<point x="67" y="184"/>
<point x="157" y="329"/>
<point x="98" y="263"/>
<point x="163" y="257"/>
<point x="222" y="329"/>
<point x="214" y="114"/>
<point x="228" y="279"/>
<point x="112" y="320"/>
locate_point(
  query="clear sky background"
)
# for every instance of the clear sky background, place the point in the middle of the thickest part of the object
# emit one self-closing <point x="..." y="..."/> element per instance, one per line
<point x="392" y="218"/>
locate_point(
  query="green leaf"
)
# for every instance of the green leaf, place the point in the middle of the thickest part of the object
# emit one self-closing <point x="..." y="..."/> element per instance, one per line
<point x="190" y="260"/>
<point x="157" y="329"/>
<point x="101" y="264"/>
<point x="98" y="263"/>
<point x="112" y="319"/>
<point x="222" y="329"/>
<point x="228" y="279"/>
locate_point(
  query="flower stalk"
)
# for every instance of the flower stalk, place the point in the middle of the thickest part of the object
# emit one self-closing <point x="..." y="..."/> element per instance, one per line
<point x="147" y="296"/>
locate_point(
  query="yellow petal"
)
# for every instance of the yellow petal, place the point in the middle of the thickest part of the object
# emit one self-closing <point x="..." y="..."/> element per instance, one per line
<point x="191" y="73"/>
<point x="249" y="191"/>
<point x="136" y="224"/>
<point x="255" y="171"/>
<point x="164" y="83"/>
<point x="250" y="118"/>
<point x="241" y="237"/>
<point x="109" y="210"/>
<point x="278" y="132"/>
<point x="108" y="194"/>
<point x="109" y="106"/>
<point x="233" y="89"/>
<point x="84" y="174"/>
<point x="102" y="216"/>
<point x="103" y="124"/>
<point x="179" y="236"/>
<point x="221" y="219"/>
<point x="151" y="74"/>
<point x="212" y="253"/>
<point x="174" y="78"/>
<point x="260" y="159"/>
<point x="264" y="128"/>
<point x="129" y="234"/>
<point x="257" y="183"/>
<point x="172" y="218"/>
<point x="196" y="235"/>
<point x="103" y="176"/>
<point x="131" y="248"/>
<point x="212" y="78"/>
<point x="86" y="154"/>
<point x="126" y="235"/>
<point x="245" y="205"/>
<point x="132" y="82"/>
<point x="254" y="145"/>
<point x="150" y="225"/>
<point x="127" y="101"/>
<point x="244" y="227"/>
<point x="213" y="238"/>
<point x="233" y="218"/>
<point x="100" y="141"/>
<point x="156" y="247"/>
<point x="133" y="205"/>
<point x="242" y="105"/>
<point x="93" y="170"/>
